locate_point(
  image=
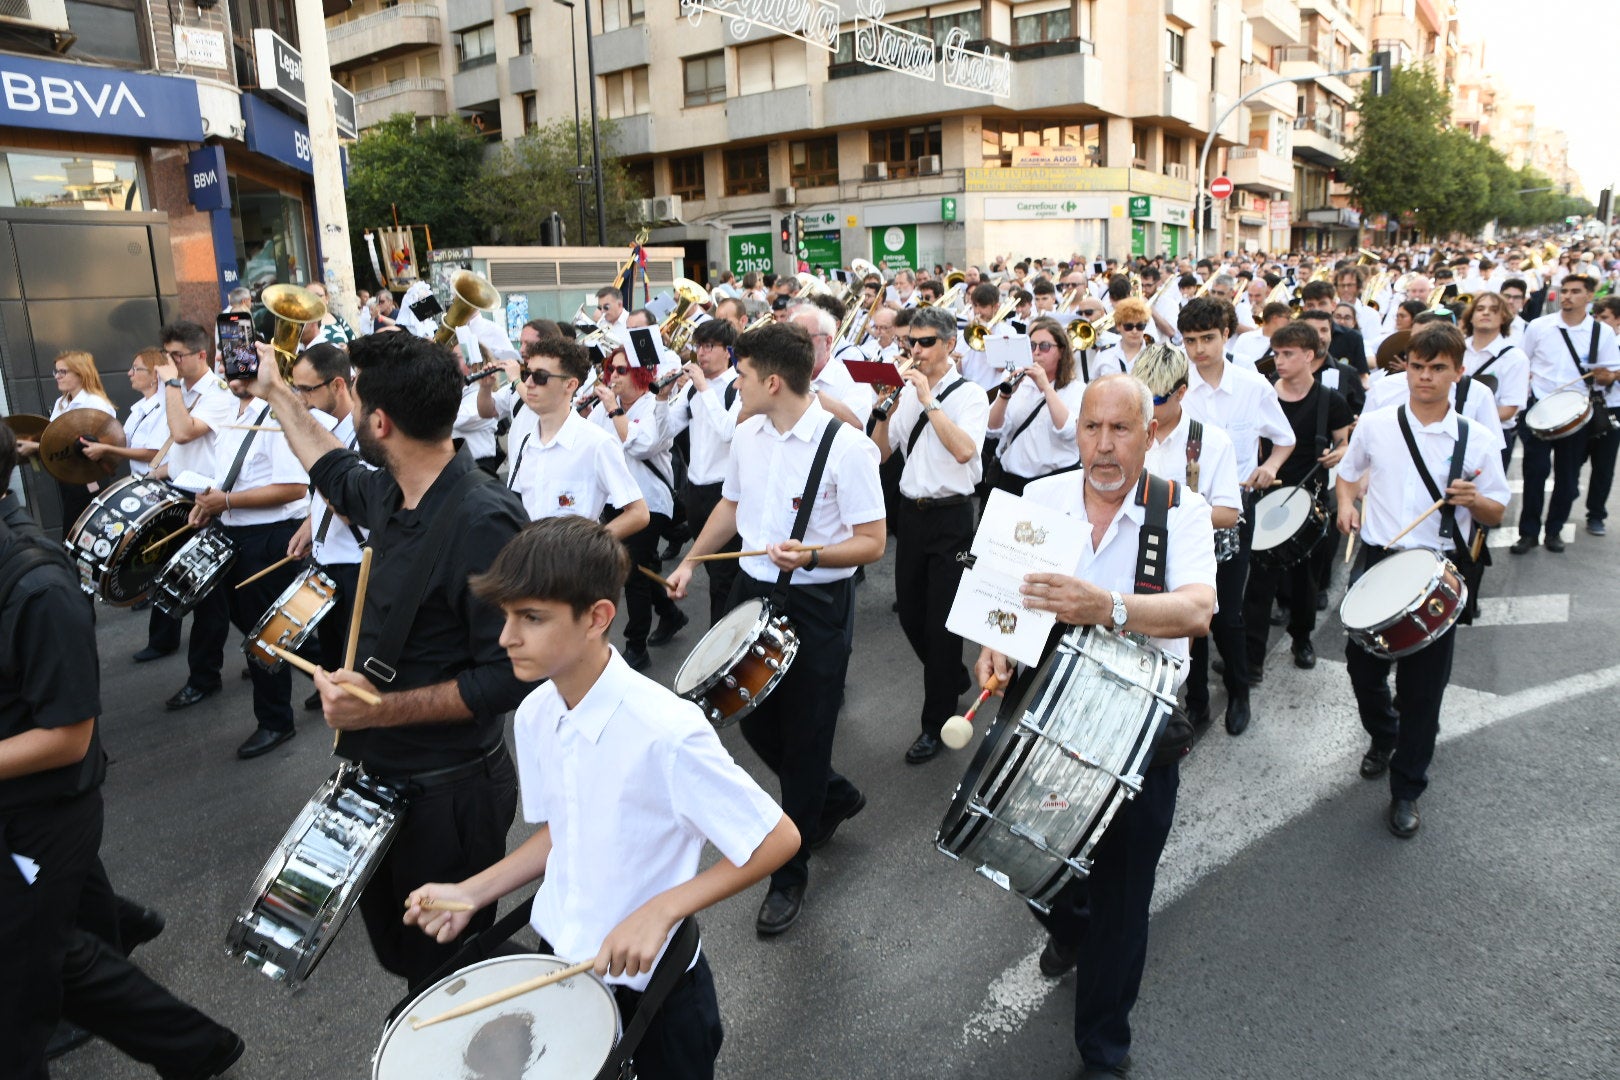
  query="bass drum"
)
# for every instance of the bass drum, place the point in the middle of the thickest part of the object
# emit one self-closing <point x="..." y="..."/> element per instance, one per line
<point x="109" y="541"/>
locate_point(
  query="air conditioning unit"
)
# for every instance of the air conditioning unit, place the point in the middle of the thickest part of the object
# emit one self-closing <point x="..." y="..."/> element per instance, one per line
<point x="35" y="14"/>
<point x="876" y="170"/>
<point x="643" y="213"/>
<point x="1176" y="170"/>
<point x="666" y="208"/>
<point x="787" y="196"/>
<point x="928" y="166"/>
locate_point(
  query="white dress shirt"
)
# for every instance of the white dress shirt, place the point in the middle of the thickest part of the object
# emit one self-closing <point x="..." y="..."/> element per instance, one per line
<point x="1109" y="360"/>
<point x="269" y="460"/>
<point x="1393" y="389"/>
<point x="1516" y="330"/>
<point x="581" y="470"/>
<point x="712" y="424"/>
<point x="84" y="399"/>
<point x="646" y="444"/>
<point x="836" y="382"/>
<point x="208" y="401"/>
<point x="1245" y="350"/>
<point x="339" y="547"/>
<point x="477" y="431"/>
<point x="1244" y="406"/>
<point x="1217" y="463"/>
<point x="1510" y="369"/>
<point x="145" y="429"/>
<point x="976" y="365"/>
<point x="766" y="476"/>
<point x="1041" y="448"/>
<point x="632" y="781"/>
<point x="1397" y="494"/>
<point x="1111" y="564"/>
<point x="931" y="471"/>
<point x="1550" y="364"/>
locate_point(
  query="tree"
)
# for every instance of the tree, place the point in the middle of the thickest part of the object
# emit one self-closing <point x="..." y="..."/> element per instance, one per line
<point x="1399" y="161"/>
<point x="426" y="171"/>
<point x="534" y="177"/>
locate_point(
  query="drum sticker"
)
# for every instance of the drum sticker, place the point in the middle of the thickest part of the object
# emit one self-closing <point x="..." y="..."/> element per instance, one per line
<point x="103" y="549"/>
<point x="1005" y="621"/>
<point x="129" y="505"/>
<point x="114" y="530"/>
<point x="1025" y="532"/>
<point x="86" y="541"/>
<point x="1053" y="803"/>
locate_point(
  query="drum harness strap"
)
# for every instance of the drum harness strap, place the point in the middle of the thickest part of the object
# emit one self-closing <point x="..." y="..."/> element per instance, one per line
<point x="1600" y="424"/>
<point x="1195" y="450"/>
<point x="326" y="518"/>
<point x="1448" y="513"/>
<point x="922" y="418"/>
<point x="1001" y="448"/>
<point x="242" y="451"/>
<point x="807" y="503"/>
<point x="1156" y="495"/>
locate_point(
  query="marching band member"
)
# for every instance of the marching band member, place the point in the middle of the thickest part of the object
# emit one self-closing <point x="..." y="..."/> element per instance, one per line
<point x="1162" y="303"/>
<point x="773" y="459"/>
<point x="1034" y="422"/>
<point x="1249" y="349"/>
<point x="1131" y="319"/>
<point x="1099" y="923"/>
<point x="1092" y="310"/>
<point x="81" y="388"/>
<point x="1515" y="292"/>
<point x="938" y="426"/>
<point x="1390" y="453"/>
<point x="1602" y="452"/>
<point x="1490" y="351"/>
<point x="883" y="344"/>
<point x="830" y="380"/>
<point x="472" y="426"/>
<point x="709" y="408"/>
<point x="611" y="314"/>
<point x="1348" y="283"/>
<point x="985" y="300"/>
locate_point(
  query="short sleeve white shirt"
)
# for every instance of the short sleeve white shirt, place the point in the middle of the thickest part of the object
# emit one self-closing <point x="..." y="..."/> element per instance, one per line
<point x="339" y="547"/>
<point x="209" y="401"/>
<point x="711" y="423"/>
<point x="1510" y="368"/>
<point x="581" y="470"/>
<point x="477" y="431"/>
<point x="1393" y="389"/>
<point x="1217" y="463"/>
<point x="269" y="461"/>
<point x="84" y="399"/>
<point x="1244" y="406"/>
<point x="836" y="382"/>
<point x="1041" y="447"/>
<point x="145" y="429"/>
<point x="1551" y="365"/>
<point x="931" y="471"/>
<point x="646" y="446"/>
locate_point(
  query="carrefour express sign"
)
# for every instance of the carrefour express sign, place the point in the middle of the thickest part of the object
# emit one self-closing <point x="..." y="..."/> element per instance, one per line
<point x="103" y="101"/>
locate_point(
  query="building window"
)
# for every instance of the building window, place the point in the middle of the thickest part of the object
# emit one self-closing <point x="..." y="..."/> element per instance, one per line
<point x="748" y="171"/>
<point x="625" y="93"/>
<point x="525" y="32"/>
<point x="618" y="14"/>
<point x="705" y="79"/>
<point x="475" y="47"/>
<point x="686" y="176"/>
<point x="899" y="148"/>
<point x="770" y="65"/>
<point x="1000" y="137"/>
<point x="1047" y="26"/>
<point x="249" y="15"/>
<point x="813" y="162"/>
<point x="531" y="112"/>
<point x="69" y="182"/>
<point x="1177" y="42"/>
<point x="109" y="30"/>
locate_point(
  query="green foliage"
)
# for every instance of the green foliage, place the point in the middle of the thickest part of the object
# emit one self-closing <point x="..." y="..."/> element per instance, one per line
<point x="528" y="179"/>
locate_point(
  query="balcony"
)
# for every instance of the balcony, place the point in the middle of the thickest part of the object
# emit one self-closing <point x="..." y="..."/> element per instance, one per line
<point x="1057" y="81"/>
<point x="1186" y="12"/>
<point x="1275" y="22"/>
<point x="1182" y="101"/>
<point x="1301" y="61"/>
<point x="1283" y="98"/>
<point x="1260" y="170"/>
<point x="1318" y="142"/>
<point x="520" y="74"/>
<point x="633" y="136"/>
<point x="384" y="34"/>
<point x="859" y="95"/>
<point x="621" y="49"/>
<point x="760" y="116"/>
<point x="463" y="14"/>
<point x="424" y="98"/>
<point x="478" y="87"/>
<point x="1224" y="24"/>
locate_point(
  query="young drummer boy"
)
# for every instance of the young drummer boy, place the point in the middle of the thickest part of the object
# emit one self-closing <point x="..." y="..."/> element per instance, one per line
<point x="626" y="781"/>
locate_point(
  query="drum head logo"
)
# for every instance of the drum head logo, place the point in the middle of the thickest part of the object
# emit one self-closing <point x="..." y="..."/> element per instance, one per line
<point x="1005" y="621"/>
<point x="1025" y="532"/>
<point x="1054" y="803"/>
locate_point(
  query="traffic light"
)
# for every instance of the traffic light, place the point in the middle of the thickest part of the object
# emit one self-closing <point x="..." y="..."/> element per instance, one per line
<point x="799" y="247"/>
<point x="788" y="233"/>
<point x="1381" y="78"/>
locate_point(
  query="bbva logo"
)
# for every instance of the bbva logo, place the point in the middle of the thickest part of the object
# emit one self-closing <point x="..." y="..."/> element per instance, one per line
<point x="59" y="97"/>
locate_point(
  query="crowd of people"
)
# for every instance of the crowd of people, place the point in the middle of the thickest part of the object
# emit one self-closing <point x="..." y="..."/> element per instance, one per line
<point x="516" y="495"/>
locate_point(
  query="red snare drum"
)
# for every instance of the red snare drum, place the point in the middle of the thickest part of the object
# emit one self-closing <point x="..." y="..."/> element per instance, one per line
<point x="1403" y="603"/>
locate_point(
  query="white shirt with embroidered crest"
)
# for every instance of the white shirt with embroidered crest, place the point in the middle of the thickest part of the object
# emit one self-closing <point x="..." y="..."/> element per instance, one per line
<point x="581" y="470"/>
<point x="208" y="401"/>
<point x="646" y="446"/>
<point x="931" y="471"/>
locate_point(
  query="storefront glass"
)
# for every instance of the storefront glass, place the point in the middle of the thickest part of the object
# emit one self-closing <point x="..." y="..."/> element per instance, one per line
<point x="70" y="183"/>
<point x="271" y="244"/>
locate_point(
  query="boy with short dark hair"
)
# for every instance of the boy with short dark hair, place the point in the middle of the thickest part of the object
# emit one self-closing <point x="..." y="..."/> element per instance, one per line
<point x="627" y="782"/>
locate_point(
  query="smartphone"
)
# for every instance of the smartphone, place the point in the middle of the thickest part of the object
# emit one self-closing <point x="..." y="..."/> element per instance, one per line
<point x="236" y="345"/>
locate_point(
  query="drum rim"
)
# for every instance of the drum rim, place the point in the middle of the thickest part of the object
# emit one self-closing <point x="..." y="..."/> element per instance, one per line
<point x="212" y="534"/>
<point x="1440" y="565"/>
<point x="297" y="586"/>
<point x="1574" y="421"/>
<point x="761" y="622"/>
<point x="104" y="501"/>
<point x="1314" y="509"/>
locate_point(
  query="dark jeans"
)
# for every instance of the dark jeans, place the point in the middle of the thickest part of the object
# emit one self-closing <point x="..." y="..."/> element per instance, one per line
<point x="701" y="499"/>
<point x="1561" y="459"/>
<point x="792" y="729"/>
<point x="1601" y="482"/>
<point x="926" y="574"/>
<point x="1105" y="917"/>
<point x="642" y="595"/>
<point x="683" y="1038"/>
<point x="1226" y="628"/>
<point x="333" y="630"/>
<point x="162" y="631"/>
<point x="257" y="546"/>
<point x="449" y="833"/>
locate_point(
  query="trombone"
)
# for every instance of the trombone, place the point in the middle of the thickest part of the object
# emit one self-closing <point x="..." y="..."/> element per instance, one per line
<point x="677" y="327"/>
<point x="1083" y="335"/>
<point x="977" y="334"/>
<point x="948" y="301"/>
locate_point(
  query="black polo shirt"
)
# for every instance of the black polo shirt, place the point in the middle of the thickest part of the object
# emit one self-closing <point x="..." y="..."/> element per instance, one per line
<point x="455" y="636"/>
<point x="1302" y="418"/>
<point x="50" y="676"/>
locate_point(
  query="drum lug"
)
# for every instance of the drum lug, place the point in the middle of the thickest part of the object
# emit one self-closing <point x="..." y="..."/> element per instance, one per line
<point x="772" y="663"/>
<point x="1436" y="608"/>
<point x="742" y="692"/>
<point x="780" y="621"/>
<point x="759" y="650"/>
<point x="731" y="682"/>
<point x="996" y="876"/>
<point x="715" y="716"/>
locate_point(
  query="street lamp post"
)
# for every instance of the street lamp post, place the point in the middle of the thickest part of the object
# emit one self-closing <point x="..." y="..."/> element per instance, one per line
<point x="596" y="134"/>
<point x="579" y="146"/>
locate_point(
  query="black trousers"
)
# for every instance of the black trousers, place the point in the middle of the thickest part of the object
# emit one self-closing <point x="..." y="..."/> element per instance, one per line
<point x="449" y="833"/>
<point x="1226" y="627"/>
<point x="1562" y="460"/>
<point x="257" y="546"/>
<point x="333" y="631"/>
<point x="76" y="499"/>
<point x="1105" y="917"/>
<point x="792" y="730"/>
<point x="926" y="574"/>
<point x="1258" y="595"/>
<point x="642" y="595"/>
<point x="1409" y="722"/>
<point x="701" y="499"/>
<point x="52" y="967"/>
<point x="1601" y="452"/>
<point x="162" y="631"/>
<point x="683" y="1038"/>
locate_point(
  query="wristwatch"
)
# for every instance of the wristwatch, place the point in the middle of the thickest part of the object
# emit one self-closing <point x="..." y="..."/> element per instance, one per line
<point x="616" y="413"/>
<point x="933" y="406"/>
<point x="176" y="383"/>
<point x="815" y="560"/>
<point x="1119" y="613"/>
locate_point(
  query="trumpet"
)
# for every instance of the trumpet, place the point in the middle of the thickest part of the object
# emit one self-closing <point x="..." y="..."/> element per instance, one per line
<point x="883" y="408"/>
<point x="294" y="308"/>
<point x="976" y="335"/>
<point x="469" y="294"/>
<point x="764" y="320"/>
<point x="947" y="301"/>
<point x="1083" y="335"/>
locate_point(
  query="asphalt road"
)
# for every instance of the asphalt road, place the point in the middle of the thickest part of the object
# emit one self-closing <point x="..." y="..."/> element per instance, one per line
<point x="1293" y="936"/>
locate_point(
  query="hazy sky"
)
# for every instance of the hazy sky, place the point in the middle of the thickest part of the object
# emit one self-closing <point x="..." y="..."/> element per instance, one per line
<point x="1532" y="47"/>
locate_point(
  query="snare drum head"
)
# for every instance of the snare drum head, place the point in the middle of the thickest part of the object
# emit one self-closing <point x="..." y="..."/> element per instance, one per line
<point x="721" y="646"/>
<point x="560" y="1032"/>
<point x="1389" y="588"/>
<point x="1556" y="410"/>
<point x="1277" y="517"/>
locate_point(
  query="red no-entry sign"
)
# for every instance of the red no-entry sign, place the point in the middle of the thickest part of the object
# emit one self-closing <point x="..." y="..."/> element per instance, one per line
<point x="1220" y="187"/>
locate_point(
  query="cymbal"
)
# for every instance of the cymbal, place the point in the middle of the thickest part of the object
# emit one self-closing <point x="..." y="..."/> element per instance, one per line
<point x="1392" y="350"/>
<point x="59" y="449"/>
<point x="27" y="425"/>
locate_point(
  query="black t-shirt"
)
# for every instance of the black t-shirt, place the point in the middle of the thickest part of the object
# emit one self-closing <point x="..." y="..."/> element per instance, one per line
<point x="455" y="636"/>
<point x="1302" y="418"/>
<point x="1349" y="346"/>
<point x="50" y="676"/>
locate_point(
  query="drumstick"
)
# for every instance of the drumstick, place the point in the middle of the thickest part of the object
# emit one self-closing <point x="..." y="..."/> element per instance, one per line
<point x="153" y="547"/>
<point x="957" y="732"/>
<point x="717" y="556"/>
<point x="310" y="669"/>
<point x="1421" y="518"/>
<point x="505" y="995"/>
<point x="1572" y="382"/>
<point x="427" y="903"/>
<point x="277" y="565"/>
<point x="353" y="647"/>
<point x="250" y="427"/>
<point x="661" y="580"/>
<point x="1350" y="539"/>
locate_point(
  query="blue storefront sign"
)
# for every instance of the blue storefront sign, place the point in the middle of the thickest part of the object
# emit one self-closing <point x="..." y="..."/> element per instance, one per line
<point x="208" y="189"/>
<point x="102" y="101"/>
<point x="274" y="134"/>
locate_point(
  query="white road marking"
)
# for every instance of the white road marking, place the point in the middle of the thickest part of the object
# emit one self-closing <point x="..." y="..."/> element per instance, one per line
<point x="1302" y="748"/>
<point x="1505" y="535"/>
<point x="1522" y="610"/>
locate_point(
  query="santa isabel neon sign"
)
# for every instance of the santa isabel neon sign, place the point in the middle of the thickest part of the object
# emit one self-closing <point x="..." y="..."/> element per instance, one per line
<point x="814" y="22"/>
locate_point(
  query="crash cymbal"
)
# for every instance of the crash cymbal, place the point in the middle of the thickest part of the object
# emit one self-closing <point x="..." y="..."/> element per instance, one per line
<point x="1392" y="350"/>
<point x="63" y="457"/>
<point x="27" y="425"/>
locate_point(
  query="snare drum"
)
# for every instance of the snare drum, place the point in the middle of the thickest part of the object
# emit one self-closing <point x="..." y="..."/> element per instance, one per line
<point x="1055" y="766"/>
<point x="565" y="1031"/>
<point x="738" y="662"/>
<point x="1558" y="415"/>
<point x="292" y="618"/>
<point x="1403" y="603"/>
<point x="313" y="879"/>
<point x="109" y="541"/>
<point x="195" y="569"/>
<point x="1228" y="543"/>
<point x="1288" y="524"/>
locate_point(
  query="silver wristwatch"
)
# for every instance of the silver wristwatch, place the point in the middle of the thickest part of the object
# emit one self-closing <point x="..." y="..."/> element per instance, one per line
<point x="933" y="406"/>
<point x="1119" y="613"/>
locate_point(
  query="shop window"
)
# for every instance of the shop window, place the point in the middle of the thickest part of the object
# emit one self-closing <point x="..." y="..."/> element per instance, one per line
<point x="475" y="47"/>
<point x="109" y="31"/>
<point x="62" y="182"/>
<point x="686" y="176"/>
<point x="900" y="147"/>
<point x="525" y="33"/>
<point x="271" y="242"/>
<point x="705" y="79"/>
<point x="626" y="93"/>
<point x="813" y="162"/>
<point x="748" y="171"/>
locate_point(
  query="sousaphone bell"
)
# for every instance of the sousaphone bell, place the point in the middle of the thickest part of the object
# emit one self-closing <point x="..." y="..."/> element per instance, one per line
<point x="294" y="307"/>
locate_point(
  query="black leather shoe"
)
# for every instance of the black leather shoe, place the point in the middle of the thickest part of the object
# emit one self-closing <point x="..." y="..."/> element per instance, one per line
<point x="226" y="1052"/>
<point x="668" y="628"/>
<point x="313" y="702"/>
<point x="1257" y="674"/>
<point x="1555" y="544"/>
<point x="137" y="925"/>
<point x="1199" y="717"/>
<point x="1522" y="545"/>
<point x="261" y="742"/>
<point x="1304" y="654"/>
<point x="148" y="654"/>
<point x="188" y="696"/>
<point x="637" y="658"/>
<point x="1237" y="715"/>
<point x="1597" y="528"/>
<point x="1106" y="1072"/>
<point x="1057" y="958"/>
<point x="926" y="748"/>
<point x="1375" y="762"/>
<point x="1403" y="818"/>
<point x="833" y="817"/>
<point x="780" y="910"/>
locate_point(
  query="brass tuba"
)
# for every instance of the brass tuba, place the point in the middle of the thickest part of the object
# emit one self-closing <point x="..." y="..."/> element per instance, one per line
<point x="469" y="294"/>
<point x="677" y="327"/>
<point x="294" y="307"/>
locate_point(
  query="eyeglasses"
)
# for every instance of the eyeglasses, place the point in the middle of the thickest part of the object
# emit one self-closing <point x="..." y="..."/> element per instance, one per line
<point x="540" y="376"/>
<point x="923" y="342"/>
<point x="178" y="355"/>
<point x="312" y="389"/>
<point x="1133" y="326"/>
<point x="1042" y="346"/>
<point x="618" y="369"/>
<point x="59" y="372"/>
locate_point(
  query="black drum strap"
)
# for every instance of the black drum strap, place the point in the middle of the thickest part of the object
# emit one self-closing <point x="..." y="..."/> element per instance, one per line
<point x="807" y="503"/>
<point x="242" y="452"/>
<point x="1156" y="496"/>
<point x="1195" y="451"/>
<point x="678" y="956"/>
<point x="1448" y="514"/>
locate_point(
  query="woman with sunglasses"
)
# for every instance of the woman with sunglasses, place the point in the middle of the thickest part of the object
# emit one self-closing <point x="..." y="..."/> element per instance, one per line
<point x="1491" y="356"/>
<point x="1034" y="419"/>
<point x="1131" y="322"/>
<point x="79" y="386"/>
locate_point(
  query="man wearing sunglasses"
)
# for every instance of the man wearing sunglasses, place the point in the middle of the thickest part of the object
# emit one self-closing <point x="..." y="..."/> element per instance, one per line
<point x="939" y="424"/>
<point x="708" y="409"/>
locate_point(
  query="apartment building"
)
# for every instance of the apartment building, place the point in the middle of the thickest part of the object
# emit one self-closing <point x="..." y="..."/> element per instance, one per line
<point x="395" y="58"/>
